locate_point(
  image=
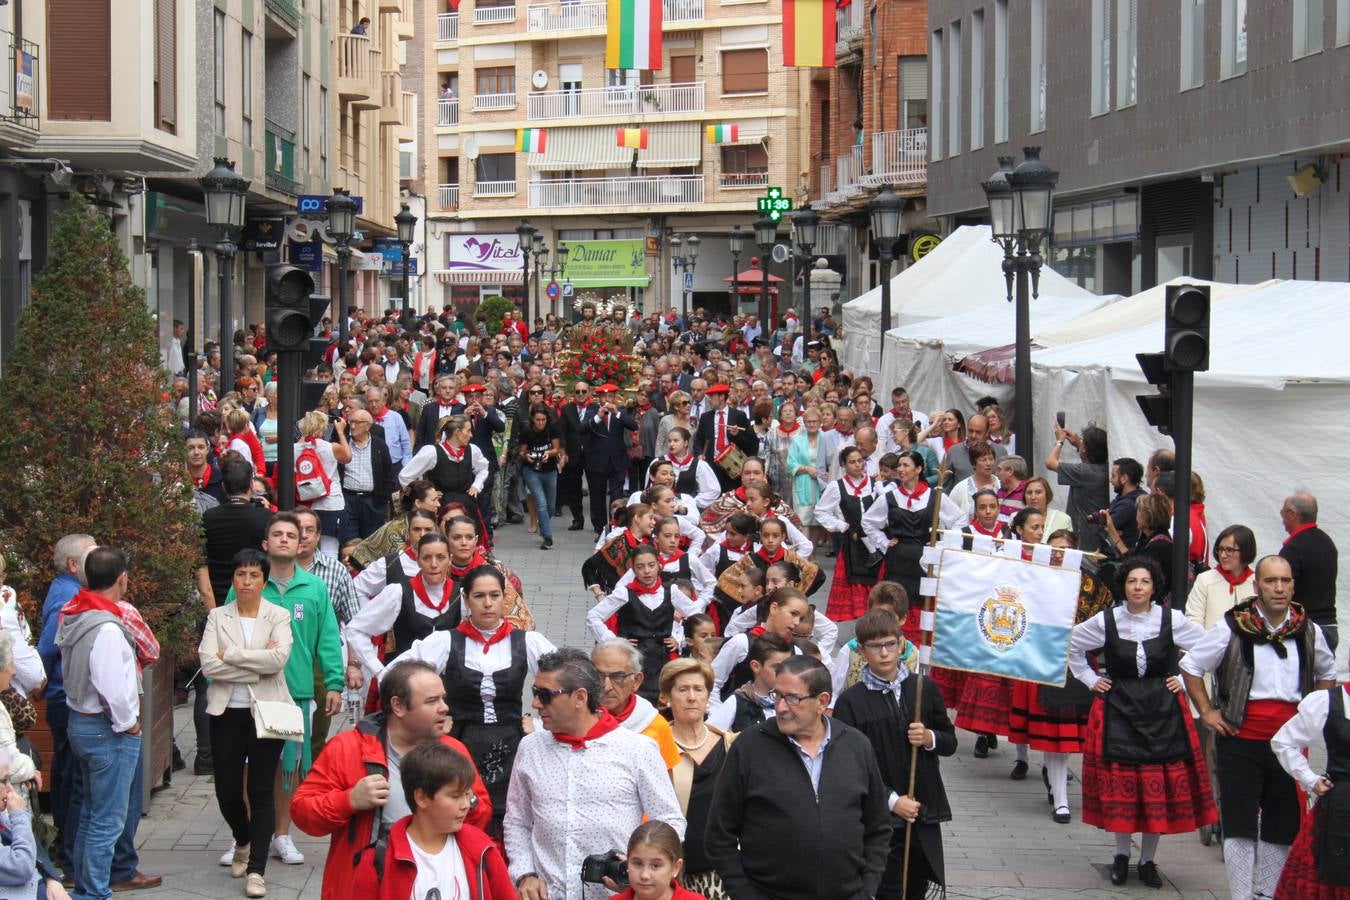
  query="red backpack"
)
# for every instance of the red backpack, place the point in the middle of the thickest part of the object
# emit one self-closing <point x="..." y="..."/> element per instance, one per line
<point x="311" y="480"/>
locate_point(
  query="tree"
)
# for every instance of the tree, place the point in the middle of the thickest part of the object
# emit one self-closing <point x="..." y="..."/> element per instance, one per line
<point x="491" y="309"/>
<point x="90" y="445"/>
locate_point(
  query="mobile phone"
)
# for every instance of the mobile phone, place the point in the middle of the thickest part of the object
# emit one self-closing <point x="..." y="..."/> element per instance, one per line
<point x="1059" y="417"/>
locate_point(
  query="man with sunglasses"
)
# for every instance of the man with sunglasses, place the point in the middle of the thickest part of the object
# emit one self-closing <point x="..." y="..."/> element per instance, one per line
<point x="580" y="786"/>
<point x="574" y="435"/>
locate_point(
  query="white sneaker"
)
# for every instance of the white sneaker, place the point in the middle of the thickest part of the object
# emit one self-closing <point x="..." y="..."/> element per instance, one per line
<point x="283" y="848"/>
<point x="228" y="856"/>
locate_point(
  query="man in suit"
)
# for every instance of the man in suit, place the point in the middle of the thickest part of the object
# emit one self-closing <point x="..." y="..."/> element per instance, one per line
<point x="606" y="454"/>
<point x="718" y="429"/>
<point x="1314" y="560"/>
<point x="575" y="435"/>
<point x="441" y="404"/>
<point x="480" y="406"/>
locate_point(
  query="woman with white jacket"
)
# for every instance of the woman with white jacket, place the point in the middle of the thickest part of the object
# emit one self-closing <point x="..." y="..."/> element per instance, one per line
<point x="1218" y="590"/>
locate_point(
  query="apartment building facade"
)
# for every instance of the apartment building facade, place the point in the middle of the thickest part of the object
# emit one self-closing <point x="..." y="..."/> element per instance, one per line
<point x="1198" y="137"/>
<point x="493" y="67"/>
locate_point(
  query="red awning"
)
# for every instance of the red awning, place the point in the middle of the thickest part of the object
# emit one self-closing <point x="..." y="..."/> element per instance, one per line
<point x="752" y="275"/>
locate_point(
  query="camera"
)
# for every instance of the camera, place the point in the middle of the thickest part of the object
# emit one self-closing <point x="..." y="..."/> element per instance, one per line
<point x="598" y="866"/>
<point x="1096" y="519"/>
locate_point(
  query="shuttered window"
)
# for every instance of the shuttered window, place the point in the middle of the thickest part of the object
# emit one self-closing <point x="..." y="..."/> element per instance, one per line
<point x="79" y="59"/>
<point x="166" y="65"/>
<point x="745" y="71"/>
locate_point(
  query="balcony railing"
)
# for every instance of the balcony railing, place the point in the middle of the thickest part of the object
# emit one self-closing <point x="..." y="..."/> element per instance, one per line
<point x="447" y="111"/>
<point x="628" y="100"/>
<point x="409" y="101"/>
<point x="447" y="195"/>
<point x="19" y="90"/>
<point x="847" y="176"/>
<point x="565" y="17"/>
<point x="358" y="65"/>
<point x="494" y="188"/>
<point x="493" y="15"/>
<point x="281" y="173"/>
<point x="626" y="191"/>
<point x="681" y="10"/>
<point x="743" y="179"/>
<point x="899" y="157"/>
<point x="391" y="99"/>
<point x="447" y="27"/>
<point x="494" y="101"/>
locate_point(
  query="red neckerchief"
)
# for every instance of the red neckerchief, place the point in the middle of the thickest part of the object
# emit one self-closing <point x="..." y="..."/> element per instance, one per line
<point x="792" y="430"/>
<point x="756" y="631"/>
<point x="86" y="600"/>
<point x="380" y="417"/>
<point x="644" y="405"/>
<point x="410" y="553"/>
<point x="949" y="442"/>
<point x="1299" y="530"/>
<point x="202" y="482"/>
<point x="919" y="490"/>
<point x="623" y="714"/>
<point x="645" y="590"/>
<point x="771" y="559"/>
<point x="856" y="489"/>
<point x="633" y="540"/>
<point x="455" y="454"/>
<point x="667" y="560"/>
<point x="604" y="726"/>
<point x="1234" y="580"/>
<point x="466" y="628"/>
<point x="419" y="590"/>
<point x="457" y="573"/>
<point x="680" y="463"/>
<point x="976" y="526"/>
<point x="896" y="414"/>
<point x="740" y="494"/>
<point x="736" y="548"/>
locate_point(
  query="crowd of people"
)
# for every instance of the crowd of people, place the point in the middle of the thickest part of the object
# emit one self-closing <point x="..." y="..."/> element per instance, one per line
<point x="719" y="739"/>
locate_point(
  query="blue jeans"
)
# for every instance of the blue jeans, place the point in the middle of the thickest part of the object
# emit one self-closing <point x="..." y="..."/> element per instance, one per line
<point x="108" y="764"/>
<point x="543" y="487"/>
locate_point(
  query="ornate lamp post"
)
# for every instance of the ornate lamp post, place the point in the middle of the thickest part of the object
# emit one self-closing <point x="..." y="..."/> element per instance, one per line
<point x="341" y="227"/>
<point x="805" y="223"/>
<point x="225" y="192"/>
<point x="407" y="224"/>
<point x="886" y="210"/>
<point x="737" y="243"/>
<point x="766" y="233"/>
<point x="525" y="234"/>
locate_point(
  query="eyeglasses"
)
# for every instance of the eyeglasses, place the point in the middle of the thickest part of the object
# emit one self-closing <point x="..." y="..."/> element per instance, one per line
<point x="546" y="696"/>
<point x="1222" y="550"/>
<point x="684" y="403"/>
<point x="615" y="678"/>
<point x="792" y="700"/>
<point x="534" y="391"/>
<point x="882" y="646"/>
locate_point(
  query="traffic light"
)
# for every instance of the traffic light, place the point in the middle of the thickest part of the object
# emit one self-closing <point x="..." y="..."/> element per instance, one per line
<point x="1157" y="408"/>
<point x="289" y="323"/>
<point x="1186" y="328"/>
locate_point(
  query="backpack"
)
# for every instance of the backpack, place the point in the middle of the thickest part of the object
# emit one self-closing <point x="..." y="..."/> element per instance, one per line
<point x="311" y="481"/>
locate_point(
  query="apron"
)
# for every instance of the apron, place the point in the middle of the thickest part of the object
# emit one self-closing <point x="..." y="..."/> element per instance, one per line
<point x="1143" y="720"/>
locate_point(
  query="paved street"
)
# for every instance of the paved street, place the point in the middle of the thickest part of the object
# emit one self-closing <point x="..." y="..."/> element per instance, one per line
<point x="1001" y="844"/>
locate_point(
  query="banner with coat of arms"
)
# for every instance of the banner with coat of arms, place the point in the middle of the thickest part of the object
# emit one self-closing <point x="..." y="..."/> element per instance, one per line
<point x="997" y="614"/>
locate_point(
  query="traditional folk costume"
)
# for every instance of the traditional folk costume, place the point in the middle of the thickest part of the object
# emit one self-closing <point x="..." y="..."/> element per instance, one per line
<point x="608" y="564"/>
<point x="454" y="471"/>
<point x="717" y="559"/>
<point x="840" y="510"/>
<point x="984" y="701"/>
<point x="732" y="502"/>
<point x="1258" y="684"/>
<point x="395" y="567"/>
<point x="645" y="615"/>
<point x="696" y="478"/>
<point x="1316" y="867"/>
<point x="729" y="582"/>
<point x="680" y="566"/>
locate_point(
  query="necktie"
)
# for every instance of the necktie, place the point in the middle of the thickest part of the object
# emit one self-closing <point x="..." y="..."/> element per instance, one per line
<point x="721" y="430"/>
<point x="606" y="420"/>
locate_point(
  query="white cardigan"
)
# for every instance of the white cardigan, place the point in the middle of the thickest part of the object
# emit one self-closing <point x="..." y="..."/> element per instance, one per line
<point x="1210" y="598"/>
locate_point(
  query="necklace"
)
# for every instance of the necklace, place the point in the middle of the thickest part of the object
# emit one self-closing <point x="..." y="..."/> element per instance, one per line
<point x="699" y="746"/>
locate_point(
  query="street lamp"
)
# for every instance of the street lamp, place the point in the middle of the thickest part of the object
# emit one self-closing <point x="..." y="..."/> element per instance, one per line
<point x="407" y="223"/>
<point x="224" y="192"/>
<point x="540" y="257"/>
<point x="886" y="210"/>
<point x="682" y="263"/>
<point x="341" y="227"/>
<point x="766" y="233"/>
<point x="525" y="235"/>
<point x="737" y="244"/>
<point x="1021" y="211"/>
<point x="805" y="223"/>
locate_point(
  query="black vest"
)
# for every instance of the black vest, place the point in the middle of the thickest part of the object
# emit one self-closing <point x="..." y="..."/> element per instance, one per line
<point x="909" y="526"/>
<point x="463" y="685"/>
<point x="412" y="626"/>
<point x="1336" y="734"/>
<point x="741" y="673"/>
<point x="393" y="569"/>
<point x="682" y="572"/>
<point x="449" y="476"/>
<point x="724" y="560"/>
<point x="687" y="481"/>
<point x="748" y="712"/>
<point x="638" y="622"/>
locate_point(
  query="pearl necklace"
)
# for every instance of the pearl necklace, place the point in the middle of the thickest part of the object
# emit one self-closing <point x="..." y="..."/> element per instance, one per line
<point x="694" y="749"/>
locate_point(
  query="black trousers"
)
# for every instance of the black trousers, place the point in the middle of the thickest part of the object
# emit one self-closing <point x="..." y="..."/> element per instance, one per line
<point x="364" y="516"/>
<point x="234" y="742"/>
<point x="1251" y="781"/>
<point x="605" y="487"/>
<point x="925" y="861"/>
<point x="569" y="490"/>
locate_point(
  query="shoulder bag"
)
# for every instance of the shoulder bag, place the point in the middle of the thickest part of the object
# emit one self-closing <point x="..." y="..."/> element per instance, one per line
<point x="277" y="720"/>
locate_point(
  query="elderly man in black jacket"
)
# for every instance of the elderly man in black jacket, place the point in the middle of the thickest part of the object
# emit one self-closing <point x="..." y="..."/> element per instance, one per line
<point x="800" y="807"/>
<point x="368" y="481"/>
<point x="1313" y="558"/>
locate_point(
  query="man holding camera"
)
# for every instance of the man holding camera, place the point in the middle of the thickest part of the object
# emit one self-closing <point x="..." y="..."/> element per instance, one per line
<point x="579" y="787"/>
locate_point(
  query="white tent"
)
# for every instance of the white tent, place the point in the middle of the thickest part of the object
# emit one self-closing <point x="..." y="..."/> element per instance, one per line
<point x="1272" y="414"/>
<point x="962" y="273"/>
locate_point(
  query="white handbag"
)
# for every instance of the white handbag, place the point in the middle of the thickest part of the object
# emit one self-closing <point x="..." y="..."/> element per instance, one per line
<point x="277" y="720"/>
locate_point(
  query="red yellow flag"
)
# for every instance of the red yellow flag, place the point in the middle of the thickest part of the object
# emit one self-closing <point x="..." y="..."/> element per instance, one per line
<point x="631" y="137"/>
<point x="808" y="33"/>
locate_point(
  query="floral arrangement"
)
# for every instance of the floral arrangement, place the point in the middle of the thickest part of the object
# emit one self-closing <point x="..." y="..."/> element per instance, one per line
<point x="596" y="360"/>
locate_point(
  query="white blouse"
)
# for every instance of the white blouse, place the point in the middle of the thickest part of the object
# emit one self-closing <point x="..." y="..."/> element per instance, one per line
<point x="1301" y="732"/>
<point x="1138" y="627"/>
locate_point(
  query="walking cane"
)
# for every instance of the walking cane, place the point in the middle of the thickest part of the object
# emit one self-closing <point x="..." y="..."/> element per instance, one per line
<point x="926" y="638"/>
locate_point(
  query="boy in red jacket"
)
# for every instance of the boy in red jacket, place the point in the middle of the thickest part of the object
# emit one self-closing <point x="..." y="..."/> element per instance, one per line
<point x="434" y="848"/>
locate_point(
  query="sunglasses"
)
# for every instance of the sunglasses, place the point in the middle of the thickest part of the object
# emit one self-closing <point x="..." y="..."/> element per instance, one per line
<point x="546" y="696"/>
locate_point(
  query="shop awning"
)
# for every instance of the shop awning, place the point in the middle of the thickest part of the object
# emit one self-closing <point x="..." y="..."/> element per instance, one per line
<point x="445" y="276"/>
<point x="672" y="144"/>
<point x="582" y="148"/>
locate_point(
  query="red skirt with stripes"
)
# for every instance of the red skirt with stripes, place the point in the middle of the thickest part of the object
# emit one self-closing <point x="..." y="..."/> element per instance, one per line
<point x="847" y="601"/>
<point x="1153" y="798"/>
<point x="1299" y="880"/>
<point x="1030" y="723"/>
<point x="984" y="704"/>
<point x="950" y="682"/>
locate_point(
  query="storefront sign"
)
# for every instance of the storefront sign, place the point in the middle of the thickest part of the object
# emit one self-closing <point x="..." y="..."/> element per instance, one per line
<point x="599" y="263"/>
<point x="311" y="204"/>
<point x="263" y="234"/>
<point x="485" y="253"/>
<point x="307" y="255"/>
<point x="23" y="81"/>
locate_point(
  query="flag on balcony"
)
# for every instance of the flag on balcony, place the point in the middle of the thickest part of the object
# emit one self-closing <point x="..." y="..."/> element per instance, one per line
<point x="808" y="33"/>
<point x="636" y="138"/>
<point x="723" y="134"/>
<point x="633" y="34"/>
<point x="531" y="140"/>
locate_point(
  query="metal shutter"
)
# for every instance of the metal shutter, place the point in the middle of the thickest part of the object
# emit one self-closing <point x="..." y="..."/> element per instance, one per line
<point x="913" y="78"/>
<point x="79" y="59"/>
<point x="166" y="62"/>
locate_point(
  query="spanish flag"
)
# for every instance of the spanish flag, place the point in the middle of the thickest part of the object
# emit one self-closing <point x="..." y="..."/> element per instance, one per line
<point x="635" y="138"/>
<point x="633" y="34"/>
<point x="723" y="134"/>
<point x="808" y="33"/>
<point x="531" y="140"/>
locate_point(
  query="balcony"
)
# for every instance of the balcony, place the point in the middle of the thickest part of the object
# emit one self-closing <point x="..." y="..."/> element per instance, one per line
<point x="391" y="6"/>
<point x="391" y="99"/>
<point x="19" y="92"/>
<point x="286" y="10"/>
<point x="281" y="173"/>
<point x="447" y="197"/>
<point x="358" y="70"/>
<point x="899" y="157"/>
<point x="407" y="129"/>
<point x="847" y="176"/>
<point x="494" y="15"/>
<point x="625" y="192"/>
<point x="849" y="30"/>
<point x="447" y="112"/>
<point x="826" y="177"/>
<point x="546" y="19"/>
<point x="492" y="189"/>
<point x="681" y="10"/>
<point x="616" y="101"/>
<point x="447" y="27"/>
<point x="490" y="102"/>
<point x="743" y="180"/>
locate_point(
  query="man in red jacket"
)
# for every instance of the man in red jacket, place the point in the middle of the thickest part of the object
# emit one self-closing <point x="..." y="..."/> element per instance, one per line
<point x="354" y="791"/>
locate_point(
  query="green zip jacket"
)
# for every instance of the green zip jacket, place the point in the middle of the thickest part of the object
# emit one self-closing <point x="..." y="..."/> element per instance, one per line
<point x="314" y="627"/>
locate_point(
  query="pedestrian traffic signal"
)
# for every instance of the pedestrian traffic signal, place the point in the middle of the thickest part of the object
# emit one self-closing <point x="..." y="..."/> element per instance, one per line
<point x="1186" y="328"/>
<point x="290" y="316"/>
<point x="1157" y="408"/>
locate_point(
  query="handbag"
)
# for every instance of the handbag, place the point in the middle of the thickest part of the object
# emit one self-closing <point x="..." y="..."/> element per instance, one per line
<point x="276" y="720"/>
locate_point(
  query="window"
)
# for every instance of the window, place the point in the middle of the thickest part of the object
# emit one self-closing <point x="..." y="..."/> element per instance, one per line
<point x="1127" y="29"/>
<point x="405" y="165"/>
<point x="745" y="71"/>
<point x="935" y="93"/>
<point x="494" y="167"/>
<point x="1342" y="22"/>
<point x="1101" y="57"/>
<point x="1000" y="71"/>
<point x="306" y="122"/>
<point x="323" y="130"/>
<point x="1308" y="20"/>
<point x="977" y="79"/>
<point x="954" y="89"/>
<point x="913" y="91"/>
<point x="498" y="80"/>
<point x="79" y="60"/>
<point x="1233" y="43"/>
<point x="1192" y="43"/>
<point x="1038" y="62"/>
<point x="220" y="72"/>
<point x="749" y="159"/>
<point x="246" y="65"/>
<point x="166" y="65"/>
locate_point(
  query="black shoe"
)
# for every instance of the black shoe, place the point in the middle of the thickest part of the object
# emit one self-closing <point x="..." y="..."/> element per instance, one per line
<point x="1120" y="869"/>
<point x="981" y="747"/>
<point x="514" y="520"/>
<point x="547" y="544"/>
<point x="1019" y="772"/>
<point x="1148" y="874"/>
<point x="203" y="768"/>
<point x="576" y="525"/>
<point x="178" y="762"/>
<point x="993" y="742"/>
<point x="1062" y="815"/>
